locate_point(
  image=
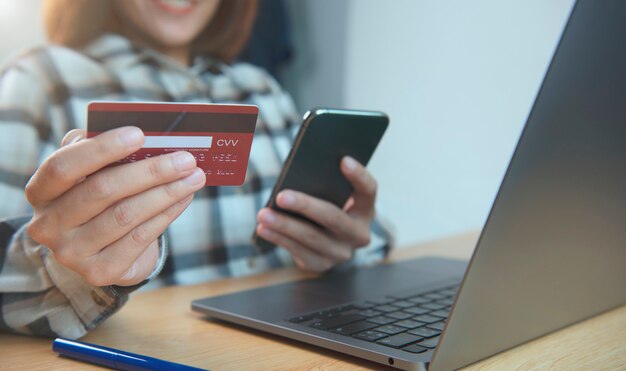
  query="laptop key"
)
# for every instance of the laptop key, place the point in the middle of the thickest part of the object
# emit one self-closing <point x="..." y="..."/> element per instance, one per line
<point x="427" y="318"/>
<point x="302" y="318"/>
<point x="338" y="309"/>
<point x="409" y="323"/>
<point x="419" y="300"/>
<point x="403" y="304"/>
<point x="437" y="326"/>
<point x="447" y="301"/>
<point x="433" y="306"/>
<point x="353" y="328"/>
<point x="434" y="296"/>
<point x="440" y="313"/>
<point x="370" y="335"/>
<point x="429" y="343"/>
<point x="369" y="313"/>
<point x="381" y="320"/>
<point x="390" y="329"/>
<point x="416" y="310"/>
<point x="385" y="308"/>
<point x="399" y="315"/>
<point x="414" y="348"/>
<point x="424" y="332"/>
<point x="326" y="314"/>
<point x="448" y="292"/>
<point x="329" y="323"/>
<point x="398" y="341"/>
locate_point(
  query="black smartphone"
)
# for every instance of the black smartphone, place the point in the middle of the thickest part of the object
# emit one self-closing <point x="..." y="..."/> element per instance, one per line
<point x="312" y="166"/>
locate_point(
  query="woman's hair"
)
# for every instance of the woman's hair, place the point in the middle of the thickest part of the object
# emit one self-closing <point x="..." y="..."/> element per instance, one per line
<point x="74" y="23"/>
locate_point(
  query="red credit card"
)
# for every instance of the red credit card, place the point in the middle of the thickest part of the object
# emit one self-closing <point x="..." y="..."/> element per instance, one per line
<point x="218" y="135"/>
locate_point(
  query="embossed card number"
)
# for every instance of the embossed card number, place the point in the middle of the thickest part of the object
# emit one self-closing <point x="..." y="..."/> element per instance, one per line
<point x="219" y="136"/>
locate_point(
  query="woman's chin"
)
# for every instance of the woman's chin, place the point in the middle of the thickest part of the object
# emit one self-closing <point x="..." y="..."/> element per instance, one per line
<point x="174" y="35"/>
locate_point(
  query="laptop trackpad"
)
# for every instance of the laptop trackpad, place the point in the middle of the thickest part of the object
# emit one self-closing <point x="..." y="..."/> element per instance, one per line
<point x="289" y="299"/>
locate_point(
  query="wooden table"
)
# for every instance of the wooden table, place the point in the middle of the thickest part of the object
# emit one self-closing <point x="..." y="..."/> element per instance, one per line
<point x="160" y="323"/>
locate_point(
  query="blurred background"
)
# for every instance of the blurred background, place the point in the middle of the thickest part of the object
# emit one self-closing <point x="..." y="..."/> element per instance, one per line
<point x="457" y="79"/>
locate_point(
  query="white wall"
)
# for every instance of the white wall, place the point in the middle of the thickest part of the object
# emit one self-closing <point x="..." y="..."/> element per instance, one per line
<point x="319" y="31"/>
<point x="20" y="26"/>
<point x="458" y="79"/>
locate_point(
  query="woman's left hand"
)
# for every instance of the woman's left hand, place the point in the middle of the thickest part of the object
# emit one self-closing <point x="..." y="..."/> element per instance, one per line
<point x="342" y="231"/>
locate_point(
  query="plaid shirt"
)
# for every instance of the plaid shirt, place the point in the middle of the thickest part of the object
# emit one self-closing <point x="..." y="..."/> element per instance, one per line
<point x="44" y="93"/>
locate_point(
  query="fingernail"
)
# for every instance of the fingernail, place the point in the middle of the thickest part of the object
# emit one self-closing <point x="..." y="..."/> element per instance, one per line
<point x="268" y="217"/>
<point x="287" y="198"/>
<point x="265" y="233"/>
<point x="130" y="273"/>
<point x="183" y="161"/>
<point x="349" y="163"/>
<point x="75" y="136"/>
<point x="131" y="136"/>
<point x="75" y="139"/>
<point x="195" y="178"/>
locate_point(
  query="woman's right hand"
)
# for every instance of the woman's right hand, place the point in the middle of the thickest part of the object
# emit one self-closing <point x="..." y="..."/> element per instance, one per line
<point x="104" y="222"/>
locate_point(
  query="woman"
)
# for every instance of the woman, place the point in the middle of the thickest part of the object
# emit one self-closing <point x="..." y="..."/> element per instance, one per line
<point x="91" y="234"/>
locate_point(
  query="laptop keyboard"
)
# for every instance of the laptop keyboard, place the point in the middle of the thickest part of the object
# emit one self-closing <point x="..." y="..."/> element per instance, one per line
<point x="410" y="322"/>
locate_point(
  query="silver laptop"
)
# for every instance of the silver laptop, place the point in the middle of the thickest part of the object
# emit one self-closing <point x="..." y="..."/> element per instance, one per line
<point x="553" y="251"/>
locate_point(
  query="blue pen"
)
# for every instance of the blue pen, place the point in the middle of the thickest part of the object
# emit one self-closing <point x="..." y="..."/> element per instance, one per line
<point x="113" y="358"/>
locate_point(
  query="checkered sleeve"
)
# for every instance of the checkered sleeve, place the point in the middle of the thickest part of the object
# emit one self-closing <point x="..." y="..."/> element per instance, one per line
<point x="38" y="296"/>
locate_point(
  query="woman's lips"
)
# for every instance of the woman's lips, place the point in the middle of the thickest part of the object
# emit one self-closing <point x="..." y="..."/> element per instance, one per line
<point x="177" y="7"/>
